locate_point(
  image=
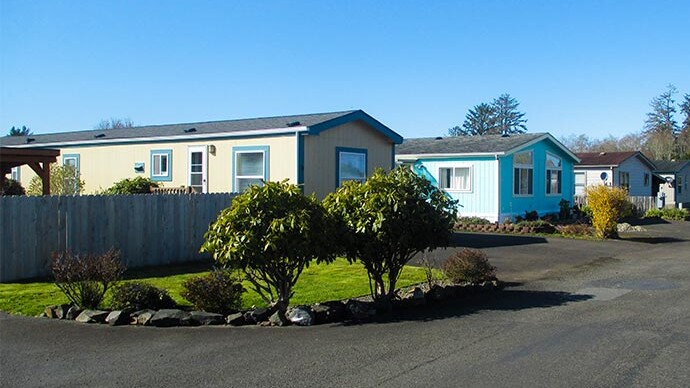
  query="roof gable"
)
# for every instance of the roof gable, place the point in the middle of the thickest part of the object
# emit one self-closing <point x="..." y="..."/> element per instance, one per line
<point x="476" y="145"/>
<point x="309" y="123"/>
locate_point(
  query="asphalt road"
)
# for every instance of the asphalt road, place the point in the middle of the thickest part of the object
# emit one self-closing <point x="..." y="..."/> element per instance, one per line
<point x="587" y="314"/>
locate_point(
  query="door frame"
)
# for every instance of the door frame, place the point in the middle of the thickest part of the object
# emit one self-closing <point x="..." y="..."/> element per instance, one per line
<point x="204" y="166"/>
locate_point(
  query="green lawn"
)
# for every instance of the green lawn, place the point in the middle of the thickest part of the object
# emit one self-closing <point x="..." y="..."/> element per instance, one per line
<point x="318" y="283"/>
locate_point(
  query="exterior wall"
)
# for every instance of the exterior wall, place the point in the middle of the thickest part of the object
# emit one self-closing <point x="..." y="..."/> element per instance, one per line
<point x="482" y="199"/>
<point x="593" y="175"/>
<point x="673" y="198"/>
<point x="512" y="205"/>
<point x="320" y="154"/>
<point x="636" y="169"/>
<point x="101" y="166"/>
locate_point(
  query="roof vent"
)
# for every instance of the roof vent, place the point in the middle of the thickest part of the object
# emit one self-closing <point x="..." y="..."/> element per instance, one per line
<point x="190" y="130"/>
<point x="100" y="135"/>
<point x="293" y="123"/>
<point x="602" y="153"/>
<point x="439" y="138"/>
<point x="505" y="134"/>
<point x="30" y="139"/>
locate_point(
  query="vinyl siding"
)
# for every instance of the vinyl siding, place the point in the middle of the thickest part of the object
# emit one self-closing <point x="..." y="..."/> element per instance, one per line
<point x="320" y="154"/>
<point x="636" y="169"/>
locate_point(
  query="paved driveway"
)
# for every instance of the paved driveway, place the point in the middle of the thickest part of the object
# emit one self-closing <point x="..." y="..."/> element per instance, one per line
<point x="614" y="314"/>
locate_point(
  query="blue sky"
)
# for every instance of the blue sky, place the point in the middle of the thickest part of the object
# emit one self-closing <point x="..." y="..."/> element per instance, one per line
<point x="576" y="67"/>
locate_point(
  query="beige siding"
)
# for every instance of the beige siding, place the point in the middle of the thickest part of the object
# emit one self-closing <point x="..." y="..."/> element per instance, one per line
<point x="320" y="154"/>
<point x="101" y="166"/>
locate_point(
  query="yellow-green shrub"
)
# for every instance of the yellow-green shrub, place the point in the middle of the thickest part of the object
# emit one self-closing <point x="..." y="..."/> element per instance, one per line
<point x="608" y="205"/>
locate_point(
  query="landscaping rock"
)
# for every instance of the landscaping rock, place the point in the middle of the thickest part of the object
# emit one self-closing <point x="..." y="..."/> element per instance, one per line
<point x="279" y="319"/>
<point x="301" y="316"/>
<point x="205" y="318"/>
<point x="92" y="316"/>
<point x="414" y="297"/>
<point x="61" y="311"/>
<point x="236" y="319"/>
<point x="118" y="318"/>
<point x="359" y="310"/>
<point x="49" y="312"/>
<point x="142" y="317"/>
<point x="328" y="312"/>
<point x="73" y="312"/>
<point x="626" y="227"/>
<point x="257" y="315"/>
<point x="170" y="317"/>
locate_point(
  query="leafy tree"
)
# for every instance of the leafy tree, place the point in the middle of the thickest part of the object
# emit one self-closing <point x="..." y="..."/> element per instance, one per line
<point x="23" y="131"/>
<point x="64" y="180"/>
<point x="480" y="120"/>
<point x="138" y="185"/>
<point x="114" y="123"/>
<point x="387" y="220"/>
<point x="508" y="119"/>
<point x="684" y="135"/>
<point x="271" y="233"/>
<point x="660" y="119"/>
<point x="499" y="117"/>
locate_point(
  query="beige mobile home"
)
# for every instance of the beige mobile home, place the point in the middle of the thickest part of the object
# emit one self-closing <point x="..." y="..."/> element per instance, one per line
<point x="318" y="151"/>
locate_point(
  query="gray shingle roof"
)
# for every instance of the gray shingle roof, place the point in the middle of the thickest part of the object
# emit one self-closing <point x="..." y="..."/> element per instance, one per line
<point x="200" y="128"/>
<point x="465" y="144"/>
<point x="670" y="165"/>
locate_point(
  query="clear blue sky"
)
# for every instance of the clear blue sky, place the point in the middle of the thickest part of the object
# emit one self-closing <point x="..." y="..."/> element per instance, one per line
<point x="576" y="67"/>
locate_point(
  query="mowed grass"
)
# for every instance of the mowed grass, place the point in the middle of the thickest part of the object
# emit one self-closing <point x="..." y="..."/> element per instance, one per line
<point x="318" y="283"/>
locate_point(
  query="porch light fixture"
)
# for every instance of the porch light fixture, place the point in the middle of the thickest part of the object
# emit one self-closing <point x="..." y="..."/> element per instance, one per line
<point x="212" y="149"/>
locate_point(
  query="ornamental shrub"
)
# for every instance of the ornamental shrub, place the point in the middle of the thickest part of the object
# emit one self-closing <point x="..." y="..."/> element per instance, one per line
<point x="473" y="221"/>
<point x="139" y="296"/>
<point x="468" y="265"/>
<point x="608" y="205"/>
<point x="219" y="291"/>
<point x="564" y="209"/>
<point x="12" y="187"/>
<point x="531" y="215"/>
<point x="673" y="214"/>
<point x="138" y="185"/>
<point x="654" y="213"/>
<point x="387" y="220"/>
<point x="85" y="279"/>
<point x="539" y="226"/>
<point x="271" y="233"/>
<point x="576" y="229"/>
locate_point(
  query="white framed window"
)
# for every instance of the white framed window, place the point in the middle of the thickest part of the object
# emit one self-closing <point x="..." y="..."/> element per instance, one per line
<point x="523" y="173"/>
<point x="351" y="165"/>
<point x="624" y="179"/>
<point x="16" y="174"/>
<point x="646" y="179"/>
<point x="251" y="167"/>
<point x="161" y="165"/>
<point x="554" y="174"/>
<point x="455" y="178"/>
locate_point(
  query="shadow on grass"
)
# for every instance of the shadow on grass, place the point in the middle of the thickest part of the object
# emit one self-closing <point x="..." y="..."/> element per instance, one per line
<point x="168" y="270"/>
<point x="506" y="300"/>
<point x="483" y="240"/>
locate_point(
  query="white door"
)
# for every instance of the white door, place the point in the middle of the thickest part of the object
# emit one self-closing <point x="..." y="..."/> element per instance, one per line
<point x="197" y="169"/>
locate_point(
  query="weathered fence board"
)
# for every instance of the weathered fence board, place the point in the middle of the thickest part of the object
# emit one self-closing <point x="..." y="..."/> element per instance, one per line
<point x="146" y="229"/>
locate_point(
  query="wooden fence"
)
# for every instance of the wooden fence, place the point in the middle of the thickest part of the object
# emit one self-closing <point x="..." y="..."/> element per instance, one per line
<point x="146" y="229"/>
<point x="640" y="204"/>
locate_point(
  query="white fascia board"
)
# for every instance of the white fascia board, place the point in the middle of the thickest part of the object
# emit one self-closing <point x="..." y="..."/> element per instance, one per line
<point x="443" y="156"/>
<point x="259" y="132"/>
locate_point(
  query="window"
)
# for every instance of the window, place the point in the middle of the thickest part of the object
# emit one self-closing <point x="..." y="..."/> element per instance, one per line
<point x="646" y="179"/>
<point x="351" y="165"/>
<point x="457" y="178"/>
<point x="554" y="174"/>
<point x="679" y="184"/>
<point x="71" y="160"/>
<point x="523" y="177"/>
<point x="251" y="166"/>
<point x="15" y="175"/>
<point x="580" y="183"/>
<point x="624" y="179"/>
<point x="161" y="165"/>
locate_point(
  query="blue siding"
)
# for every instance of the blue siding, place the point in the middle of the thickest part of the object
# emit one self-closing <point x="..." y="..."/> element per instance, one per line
<point x="512" y="205"/>
<point x="482" y="199"/>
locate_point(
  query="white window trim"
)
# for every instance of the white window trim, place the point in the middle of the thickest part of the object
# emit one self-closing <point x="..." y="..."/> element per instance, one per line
<point x="160" y="174"/>
<point x="469" y="178"/>
<point x="523" y="166"/>
<point x="546" y="174"/>
<point x="236" y="164"/>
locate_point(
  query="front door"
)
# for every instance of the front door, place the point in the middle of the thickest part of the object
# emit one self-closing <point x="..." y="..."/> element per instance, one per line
<point x="197" y="169"/>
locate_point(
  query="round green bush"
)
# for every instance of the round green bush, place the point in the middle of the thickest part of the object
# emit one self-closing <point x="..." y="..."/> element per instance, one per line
<point x="219" y="291"/>
<point x="139" y="296"/>
<point x="12" y="187"/>
<point x="469" y="265"/>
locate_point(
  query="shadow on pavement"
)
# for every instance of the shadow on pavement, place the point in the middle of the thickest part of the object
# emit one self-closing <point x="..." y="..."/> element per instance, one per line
<point x="652" y="240"/>
<point x="506" y="300"/>
<point x="483" y="240"/>
<point x="645" y="221"/>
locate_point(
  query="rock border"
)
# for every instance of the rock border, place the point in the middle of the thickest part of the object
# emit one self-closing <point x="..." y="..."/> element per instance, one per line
<point x="350" y="310"/>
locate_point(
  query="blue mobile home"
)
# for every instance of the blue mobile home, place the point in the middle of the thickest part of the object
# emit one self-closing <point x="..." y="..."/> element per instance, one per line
<point x="493" y="176"/>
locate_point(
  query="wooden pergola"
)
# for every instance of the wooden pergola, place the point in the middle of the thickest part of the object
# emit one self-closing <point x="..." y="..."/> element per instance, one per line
<point x="38" y="159"/>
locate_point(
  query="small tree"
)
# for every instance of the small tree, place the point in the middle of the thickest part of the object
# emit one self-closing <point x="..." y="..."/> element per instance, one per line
<point x="138" y="185"/>
<point x="64" y="180"/>
<point x="271" y="232"/>
<point x="389" y="219"/>
<point x="23" y="131"/>
<point x="608" y="205"/>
